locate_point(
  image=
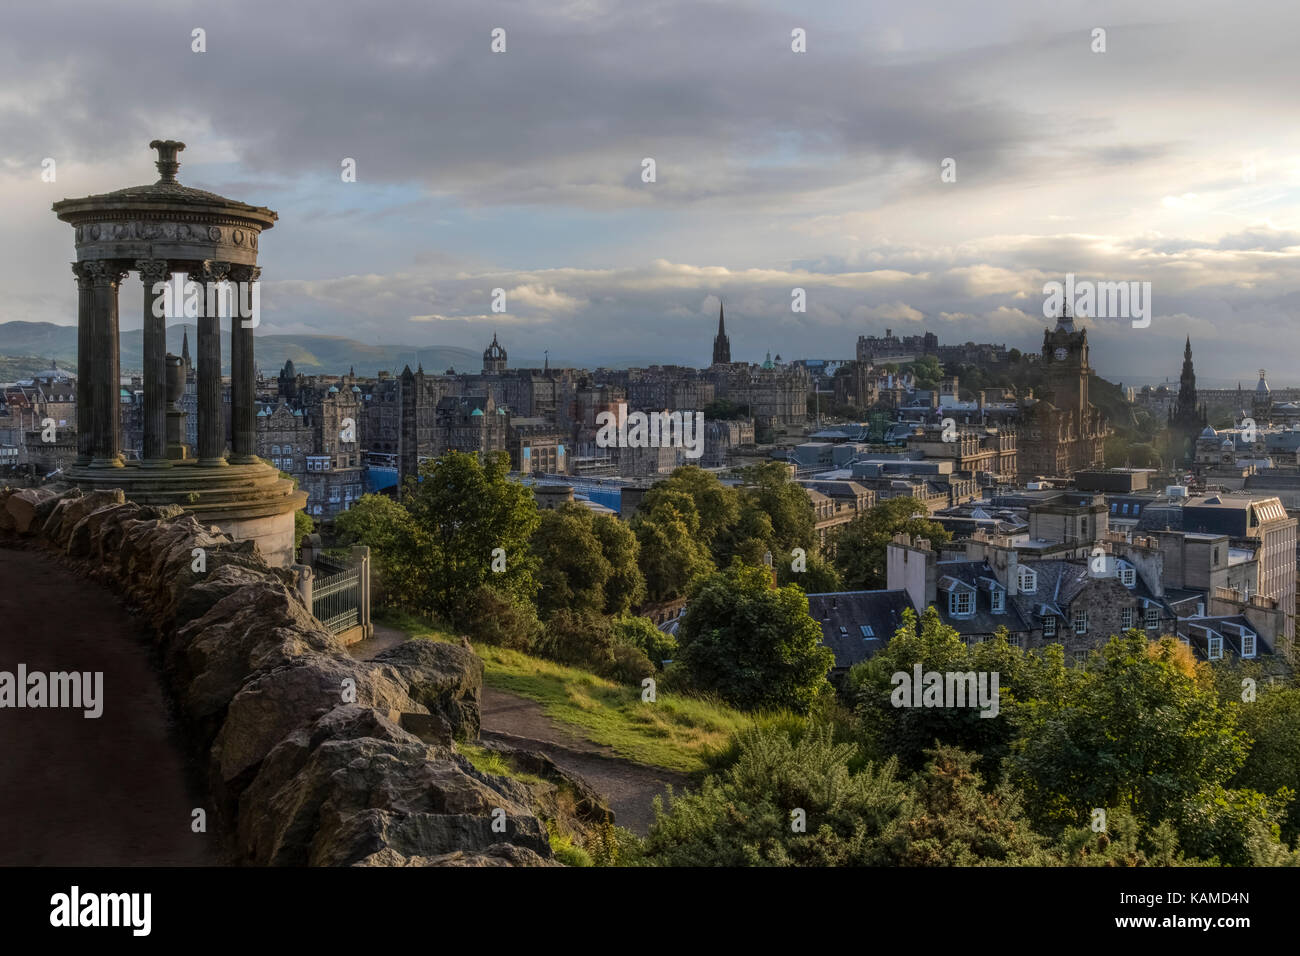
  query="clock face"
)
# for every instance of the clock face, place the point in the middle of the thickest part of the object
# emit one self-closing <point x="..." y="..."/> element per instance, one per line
<point x="1060" y="355"/>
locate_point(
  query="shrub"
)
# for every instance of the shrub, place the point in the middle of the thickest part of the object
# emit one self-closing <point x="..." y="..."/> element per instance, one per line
<point x="495" y="617"/>
<point x="579" y="639"/>
<point x="640" y="632"/>
<point x="630" y="666"/>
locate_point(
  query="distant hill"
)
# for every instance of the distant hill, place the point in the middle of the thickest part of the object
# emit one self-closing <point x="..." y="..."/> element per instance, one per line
<point x="28" y="347"/>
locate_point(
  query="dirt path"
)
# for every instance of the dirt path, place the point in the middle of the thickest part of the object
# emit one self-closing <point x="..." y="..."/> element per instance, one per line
<point x="78" y="791"/>
<point x="629" y="788"/>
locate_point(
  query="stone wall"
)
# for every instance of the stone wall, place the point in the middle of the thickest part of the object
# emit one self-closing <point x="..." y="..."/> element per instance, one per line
<point x="309" y="757"/>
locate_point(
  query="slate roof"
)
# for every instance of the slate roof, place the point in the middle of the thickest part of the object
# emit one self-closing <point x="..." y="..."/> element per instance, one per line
<point x="843" y="614"/>
<point x="977" y="574"/>
<point x="1193" y="631"/>
<point x="1060" y="582"/>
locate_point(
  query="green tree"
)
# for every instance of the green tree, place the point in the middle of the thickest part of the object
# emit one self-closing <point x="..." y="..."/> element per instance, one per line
<point x="1272" y="721"/>
<point x="475" y="517"/>
<point x="1137" y="728"/>
<point x="672" y="554"/>
<point x="716" y="505"/>
<point x="752" y="644"/>
<point x="908" y="732"/>
<point x="625" y="587"/>
<point x="769" y="490"/>
<point x="860" y="545"/>
<point x="399" y="549"/>
<point x="573" y="571"/>
<point x="818" y="577"/>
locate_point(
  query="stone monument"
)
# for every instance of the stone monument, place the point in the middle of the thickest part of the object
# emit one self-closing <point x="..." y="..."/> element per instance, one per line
<point x="160" y="231"/>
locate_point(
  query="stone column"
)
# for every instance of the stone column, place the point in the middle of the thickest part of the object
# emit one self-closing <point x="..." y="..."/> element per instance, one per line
<point x="85" y="325"/>
<point x="106" y="372"/>
<point x="212" y="430"/>
<point x="243" y="383"/>
<point x="154" y="451"/>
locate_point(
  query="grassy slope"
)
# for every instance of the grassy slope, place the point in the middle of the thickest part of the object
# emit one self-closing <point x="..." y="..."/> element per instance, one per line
<point x="674" y="732"/>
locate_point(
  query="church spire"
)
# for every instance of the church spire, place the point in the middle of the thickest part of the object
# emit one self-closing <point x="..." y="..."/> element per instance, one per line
<point x="721" y="344"/>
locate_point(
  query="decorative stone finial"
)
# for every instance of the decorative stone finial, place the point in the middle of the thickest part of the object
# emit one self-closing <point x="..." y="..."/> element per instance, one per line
<point x="166" y="162"/>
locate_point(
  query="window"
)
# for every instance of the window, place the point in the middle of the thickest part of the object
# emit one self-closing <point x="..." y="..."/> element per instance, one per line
<point x="999" y="600"/>
<point x="867" y="632"/>
<point x="1215" y="647"/>
<point x="1028" y="580"/>
<point x="1016" y="640"/>
<point x="959" y="602"/>
<point x="1125" y="511"/>
<point x="1126" y="618"/>
<point x="1152" y="617"/>
<point x="1080" y="657"/>
<point x="1247" y="644"/>
<point x="1128" y="577"/>
<point x="1113" y="506"/>
<point x="1049" y="626"/>
<point x="1216" y="557"/>
<point x="275" y="449"/>
<point x="844" y="631"/>
<point x="1080" y="622"/>
<point x="1136" y="509"/>
<point x="1083" y="527"/>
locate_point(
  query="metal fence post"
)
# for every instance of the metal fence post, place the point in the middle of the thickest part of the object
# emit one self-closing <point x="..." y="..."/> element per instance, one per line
<point x="361" y="558"/>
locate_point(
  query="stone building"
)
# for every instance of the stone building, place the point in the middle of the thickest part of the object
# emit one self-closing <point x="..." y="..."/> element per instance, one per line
<point x="417" y="396"/>
<point x="494" y="358"/>
<point x="474" y="425"/>
<point x="774" y="395"/>
<point x="1063" y="432"/>
<point x="536" y="446"/>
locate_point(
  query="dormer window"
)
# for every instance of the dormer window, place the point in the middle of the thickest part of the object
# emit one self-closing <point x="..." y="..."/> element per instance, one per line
<point x="960" y="603"/>
<point x="1028" y="580"/>
<point x="1247" y="643"/>
<point x="1128" y="577"/>
<point x="1215" y="647"/>
<point x="999" y="599"/>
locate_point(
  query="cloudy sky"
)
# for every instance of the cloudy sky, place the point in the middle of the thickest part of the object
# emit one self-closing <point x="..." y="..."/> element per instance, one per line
<point x="1173" y="157"/>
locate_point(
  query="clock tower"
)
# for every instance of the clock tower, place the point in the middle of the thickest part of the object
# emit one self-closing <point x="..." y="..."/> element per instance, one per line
<point x="1062" y="433"/>
<point x="1065" y="364"/>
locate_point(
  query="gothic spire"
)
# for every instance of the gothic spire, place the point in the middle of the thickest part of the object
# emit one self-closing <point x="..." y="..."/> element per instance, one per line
<point x="721" y="344"/>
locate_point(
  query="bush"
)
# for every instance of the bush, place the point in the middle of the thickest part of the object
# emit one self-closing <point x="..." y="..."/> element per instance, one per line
<point x="630" y="666"/>
<point x="494" y="617"/>
<point x="640" y="632"/>
<point x="578" y="639"/>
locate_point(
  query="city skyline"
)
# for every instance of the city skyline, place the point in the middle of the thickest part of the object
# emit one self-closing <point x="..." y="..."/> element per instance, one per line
<point x="776" y="170"/>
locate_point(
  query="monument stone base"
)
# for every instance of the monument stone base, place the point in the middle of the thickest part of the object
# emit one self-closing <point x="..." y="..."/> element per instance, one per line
<point x="247" y="502"/>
